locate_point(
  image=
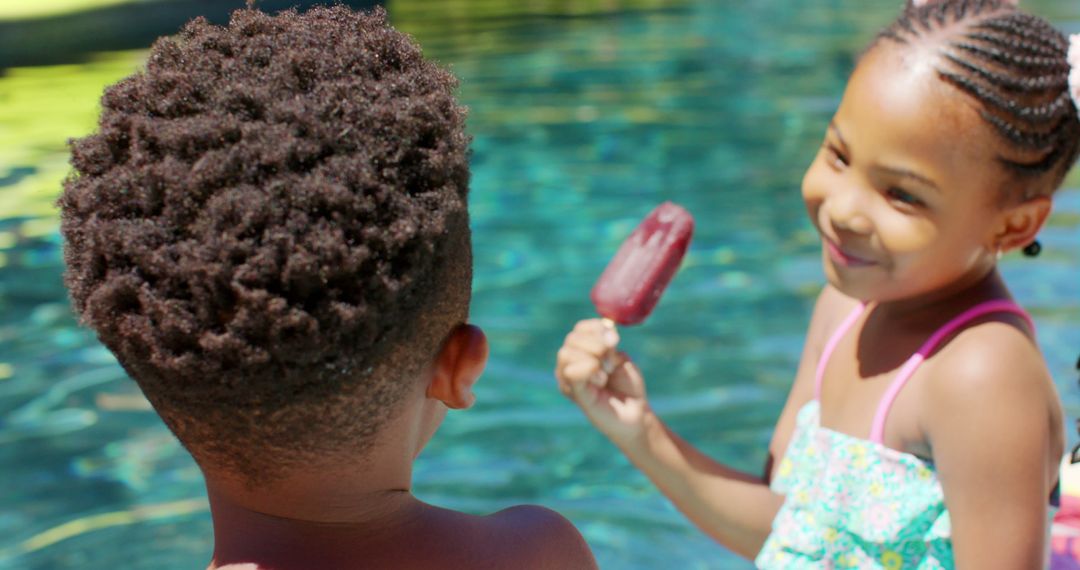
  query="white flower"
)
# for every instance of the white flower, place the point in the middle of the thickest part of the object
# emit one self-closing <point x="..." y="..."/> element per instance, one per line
<point x="1074" y="64"/>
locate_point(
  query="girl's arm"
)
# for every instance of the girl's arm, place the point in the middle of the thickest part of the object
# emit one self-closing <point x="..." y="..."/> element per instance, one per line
<point x="992" y="416"/>
<point x="734" y="508"/>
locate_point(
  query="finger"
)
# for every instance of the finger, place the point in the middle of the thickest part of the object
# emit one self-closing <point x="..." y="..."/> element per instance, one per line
<point x="563" y="383"/>
<point x="571" y="352"/>
<point x="590" y="342"/>
<point x="586" y="396"/>
<point x="610" y="337"/>
<point x="569" y="355"/>
<point x="595" y="326"/>
<point x="584" y="371"/>
<point x="611" y="334"/>
<point x="629" y="409"/>
<point x="564" y="388"/>
<point x="626" y="377"/>
<point x="603" y="328"/>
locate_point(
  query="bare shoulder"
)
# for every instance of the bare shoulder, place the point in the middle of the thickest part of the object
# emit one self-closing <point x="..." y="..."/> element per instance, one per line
<point x="995" y="358"/>
<point x="992" y="375"/>
<point x="539" y="538"/>
<point x="524" y="537"/>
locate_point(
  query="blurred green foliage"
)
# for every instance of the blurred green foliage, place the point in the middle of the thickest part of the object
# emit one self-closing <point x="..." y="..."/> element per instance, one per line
<point x="28" y="9"/>
<point x="40" y="109"/>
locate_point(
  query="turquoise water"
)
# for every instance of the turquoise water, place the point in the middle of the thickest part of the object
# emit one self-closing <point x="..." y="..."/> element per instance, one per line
<point x="585" y="115"/>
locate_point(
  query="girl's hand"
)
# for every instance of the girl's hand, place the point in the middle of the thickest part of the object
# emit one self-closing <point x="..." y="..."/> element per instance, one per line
<point x="602" y="381"/>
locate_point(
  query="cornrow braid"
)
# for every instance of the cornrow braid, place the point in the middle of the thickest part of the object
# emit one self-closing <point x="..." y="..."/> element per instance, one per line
<point x="1008" y="58"/>
<point x="1015" y="65"/>
<point x="1004" y="26"/>
<point x="1033" y="49"/>
<point x="1041" y="114"/>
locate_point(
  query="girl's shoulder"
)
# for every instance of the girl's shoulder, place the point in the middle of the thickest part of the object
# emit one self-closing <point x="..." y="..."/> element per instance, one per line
<point x="987" y="404"/>
<point x="994" y="350"/>
<point x="991" y="373"/>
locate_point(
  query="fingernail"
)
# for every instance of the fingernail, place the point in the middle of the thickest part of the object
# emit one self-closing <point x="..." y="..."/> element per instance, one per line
<point x="611" y="337"/>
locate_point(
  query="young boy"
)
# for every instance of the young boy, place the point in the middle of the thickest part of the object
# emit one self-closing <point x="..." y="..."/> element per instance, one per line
<point x="270" y="232"/>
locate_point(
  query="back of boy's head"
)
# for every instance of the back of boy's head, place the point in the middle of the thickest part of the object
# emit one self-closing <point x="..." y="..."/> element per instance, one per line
<point x="269" y="230"/>
<point x="1015" y="65"/>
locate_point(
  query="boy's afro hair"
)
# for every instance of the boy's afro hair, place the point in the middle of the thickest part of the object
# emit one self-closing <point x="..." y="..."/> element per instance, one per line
<point x="265" y="215"/>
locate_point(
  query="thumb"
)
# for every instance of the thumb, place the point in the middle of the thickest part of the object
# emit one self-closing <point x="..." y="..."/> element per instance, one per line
<point x="626" y="378"/>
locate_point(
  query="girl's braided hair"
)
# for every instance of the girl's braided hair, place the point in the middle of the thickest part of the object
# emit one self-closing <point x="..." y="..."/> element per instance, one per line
<point x="1015" y="65"/>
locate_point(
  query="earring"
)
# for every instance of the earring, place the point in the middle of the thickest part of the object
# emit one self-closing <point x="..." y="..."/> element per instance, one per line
<point x="1033" y="249"/>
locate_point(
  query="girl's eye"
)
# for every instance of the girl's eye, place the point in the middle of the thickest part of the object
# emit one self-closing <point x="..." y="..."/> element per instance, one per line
<point x="835" y="158"/>
<point x="903" y="197"/>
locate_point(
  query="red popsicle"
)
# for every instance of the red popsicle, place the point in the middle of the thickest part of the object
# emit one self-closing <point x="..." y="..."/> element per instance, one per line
<point x="630" y="287"/>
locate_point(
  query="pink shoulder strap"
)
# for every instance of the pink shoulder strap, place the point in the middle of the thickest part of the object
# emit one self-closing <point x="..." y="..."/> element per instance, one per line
<point x="831" y="346"/>
<point x="877" y="433"/>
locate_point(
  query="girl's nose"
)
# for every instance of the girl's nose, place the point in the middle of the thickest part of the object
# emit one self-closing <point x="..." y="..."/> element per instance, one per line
<point x="846" y="213"/>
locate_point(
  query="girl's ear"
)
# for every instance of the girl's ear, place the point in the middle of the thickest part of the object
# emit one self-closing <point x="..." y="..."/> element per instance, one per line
<point x="1021" y="222"/>
<point x="458" y="366"/>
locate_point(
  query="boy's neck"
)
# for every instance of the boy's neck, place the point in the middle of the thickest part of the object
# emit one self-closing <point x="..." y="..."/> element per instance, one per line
<point x="321" y="498"/>
<point x="328" y="510"/>
<point x="309" y="516"/>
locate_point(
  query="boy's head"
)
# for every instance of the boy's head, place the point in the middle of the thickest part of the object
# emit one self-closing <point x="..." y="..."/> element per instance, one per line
<point x="269" y="230"/>
<point x="1014" y="66"/>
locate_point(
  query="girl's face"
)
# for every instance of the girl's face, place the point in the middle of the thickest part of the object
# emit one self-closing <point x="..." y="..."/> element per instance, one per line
<point x="905" y="188"/>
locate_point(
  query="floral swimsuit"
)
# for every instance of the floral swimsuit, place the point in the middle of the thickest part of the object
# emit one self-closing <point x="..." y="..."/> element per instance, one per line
<point x="856" y="503"/>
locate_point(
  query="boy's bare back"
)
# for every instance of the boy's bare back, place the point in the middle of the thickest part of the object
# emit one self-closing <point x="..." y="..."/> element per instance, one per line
<point x="525" y="537"/>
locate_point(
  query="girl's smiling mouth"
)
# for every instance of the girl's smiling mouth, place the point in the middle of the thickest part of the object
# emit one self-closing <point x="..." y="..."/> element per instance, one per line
<point x="844" y="258"/>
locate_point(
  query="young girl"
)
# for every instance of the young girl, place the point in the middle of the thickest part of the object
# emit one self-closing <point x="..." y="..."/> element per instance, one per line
<point x="923" y="429"/>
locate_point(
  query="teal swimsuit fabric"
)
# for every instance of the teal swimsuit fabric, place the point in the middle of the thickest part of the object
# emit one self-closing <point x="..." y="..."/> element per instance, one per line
<point x="854" y="503"/>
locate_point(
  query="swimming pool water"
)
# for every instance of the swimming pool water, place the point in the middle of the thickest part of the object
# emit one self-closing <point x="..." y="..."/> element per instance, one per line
<point x="585" y="115"/>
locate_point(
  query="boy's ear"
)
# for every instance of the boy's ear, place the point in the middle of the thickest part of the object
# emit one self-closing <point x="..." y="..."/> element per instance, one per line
<point x="1021" y="222"/>
<point x="458" y="366"/>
